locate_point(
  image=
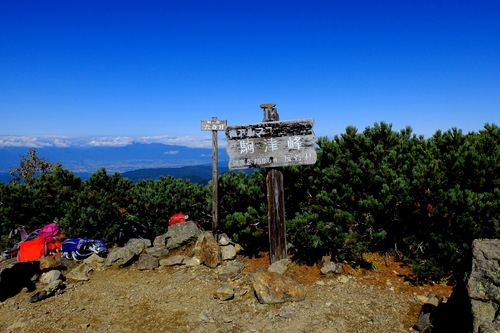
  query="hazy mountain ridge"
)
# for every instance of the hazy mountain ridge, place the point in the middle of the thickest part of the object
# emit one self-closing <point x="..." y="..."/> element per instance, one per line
<point x="200" y="174"/>
<point x="114" y="159"/>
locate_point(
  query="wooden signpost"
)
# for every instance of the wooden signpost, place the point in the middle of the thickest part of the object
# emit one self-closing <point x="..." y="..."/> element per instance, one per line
<point x="272" y="144"/>
<point x="214" y="125"/>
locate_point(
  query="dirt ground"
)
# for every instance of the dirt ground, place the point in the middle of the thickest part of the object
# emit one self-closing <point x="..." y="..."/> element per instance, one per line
<point x="180" y="299"/>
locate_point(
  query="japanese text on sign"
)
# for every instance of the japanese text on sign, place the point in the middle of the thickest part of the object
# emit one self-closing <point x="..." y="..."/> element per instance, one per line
<point x="271" y="144"/>
<point x="213" y="125"/>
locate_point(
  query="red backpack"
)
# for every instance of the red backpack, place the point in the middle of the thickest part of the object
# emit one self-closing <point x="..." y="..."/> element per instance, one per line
<point x="178" y="218"/>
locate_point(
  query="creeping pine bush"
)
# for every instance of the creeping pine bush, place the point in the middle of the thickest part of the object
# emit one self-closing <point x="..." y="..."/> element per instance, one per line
<point x="371" y="190"/>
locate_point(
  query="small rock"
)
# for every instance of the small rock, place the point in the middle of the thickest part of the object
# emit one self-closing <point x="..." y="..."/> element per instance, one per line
<point x="343" y="279"/>
<point x="80" y="273"/>
<point x="52" y="275"/>
<point x="223" y="240"/>
<point x="279" y="266"/>
<point x="225" y="292"/>
<point x="204" y="317"/>
<point x="230" y="270"/>
<point x="228" y="252"/>
<point x="192" y="262"/>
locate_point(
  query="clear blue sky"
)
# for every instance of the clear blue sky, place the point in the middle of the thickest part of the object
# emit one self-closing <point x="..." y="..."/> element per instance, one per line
<point x="157" y="68"/>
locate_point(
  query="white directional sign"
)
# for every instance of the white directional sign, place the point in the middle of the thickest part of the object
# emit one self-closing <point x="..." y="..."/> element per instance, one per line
<point x="271" y="144"/>
<point x="213" y="125"/>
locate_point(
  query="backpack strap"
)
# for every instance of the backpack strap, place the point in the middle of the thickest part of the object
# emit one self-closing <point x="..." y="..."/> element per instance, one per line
<point x="19" y="231"/>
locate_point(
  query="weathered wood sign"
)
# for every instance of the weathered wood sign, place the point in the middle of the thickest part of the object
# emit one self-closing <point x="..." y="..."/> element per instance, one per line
<point x="271" y="144"/>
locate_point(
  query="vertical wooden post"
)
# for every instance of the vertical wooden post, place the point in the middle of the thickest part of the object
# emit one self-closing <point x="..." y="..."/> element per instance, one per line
<point x="215" y="195"/>
<point x="275" y="201"/>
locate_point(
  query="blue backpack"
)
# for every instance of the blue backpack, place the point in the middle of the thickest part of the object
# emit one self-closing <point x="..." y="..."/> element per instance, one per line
<point x="81" y="248"/>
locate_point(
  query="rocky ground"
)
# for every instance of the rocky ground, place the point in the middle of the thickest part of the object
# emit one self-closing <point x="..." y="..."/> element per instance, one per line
<point x="181" y="299"/>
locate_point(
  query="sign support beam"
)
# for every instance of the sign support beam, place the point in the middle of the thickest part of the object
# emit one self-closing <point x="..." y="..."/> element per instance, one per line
<point x="275" y="201"/>
<point x="214" y="125"/>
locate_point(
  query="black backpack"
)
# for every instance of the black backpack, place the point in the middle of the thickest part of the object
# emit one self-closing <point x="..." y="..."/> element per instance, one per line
<point x="129" y="230"/>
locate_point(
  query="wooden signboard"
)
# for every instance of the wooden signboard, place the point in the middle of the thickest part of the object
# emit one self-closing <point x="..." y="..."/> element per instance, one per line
<point x="271" y="144"/>
<point x="213" y="125"/>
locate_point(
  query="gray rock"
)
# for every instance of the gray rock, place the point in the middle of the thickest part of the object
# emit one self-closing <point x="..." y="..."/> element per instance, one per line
<point x="80" y="273"/>
<point x="158" y="251"/>
<point x="483" y="286"/>
<point x="228" y="252"/>
<point x="225" y="292"/>
<point x="223" y="240"/>
<point x="95" y="261"/>
<point x="423" y="322"/>
<point x="160" y="241"/>
<point x="327" y="266"/>
<point x="192" y="262"/>
<point x="279" y="266"/>
<point x="147" y="262"/>
<point x="230" y="270"/>
<point x="138" y="244"/>
<point x="48" y="277"/>
<point x="433" y="300"/>
<point x="177" y="259"/>
<point x="65" y="263"/>
<point x="126" y="255"/>
<point x="181" y="234"/>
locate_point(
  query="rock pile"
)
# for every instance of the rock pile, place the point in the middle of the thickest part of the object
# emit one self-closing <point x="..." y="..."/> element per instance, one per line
<point x="217" y="253"/>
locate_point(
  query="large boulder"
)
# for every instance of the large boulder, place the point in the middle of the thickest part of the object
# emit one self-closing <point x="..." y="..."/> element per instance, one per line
<point x="483" y="286"/>
<point x="180" y="234"/>
<point x="126" y="255"/>
<point x="272" y="288"/>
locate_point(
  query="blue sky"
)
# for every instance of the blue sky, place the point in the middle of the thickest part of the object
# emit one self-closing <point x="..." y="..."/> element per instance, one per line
<point x="118" y="71"/>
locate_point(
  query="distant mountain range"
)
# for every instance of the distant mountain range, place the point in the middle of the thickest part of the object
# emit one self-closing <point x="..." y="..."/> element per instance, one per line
<point x="115" y="159"/>
<point x="135" y="161"/>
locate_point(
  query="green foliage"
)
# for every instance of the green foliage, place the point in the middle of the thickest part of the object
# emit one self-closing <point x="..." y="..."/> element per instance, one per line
<point x="153" y="202"/>
<point x="375" y="190"/>
<point x="243" y="209"/>
<point x="94" y="212"/>
<point x="30" y="167"/>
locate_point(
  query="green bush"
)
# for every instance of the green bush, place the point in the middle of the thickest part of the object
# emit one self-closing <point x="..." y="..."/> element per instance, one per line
<point x="375" y="190"/>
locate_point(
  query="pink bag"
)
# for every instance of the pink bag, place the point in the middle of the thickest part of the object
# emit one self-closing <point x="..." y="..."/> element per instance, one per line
<point x="49" y="232"/>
